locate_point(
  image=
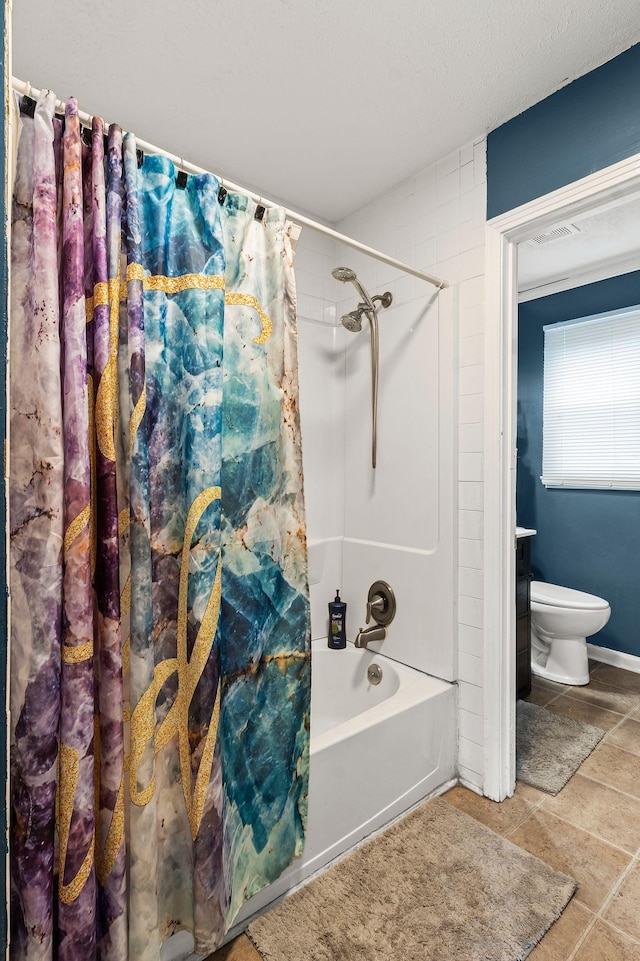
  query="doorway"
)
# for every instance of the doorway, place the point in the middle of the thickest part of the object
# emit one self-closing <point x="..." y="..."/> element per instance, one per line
<point x="604" y="189"/>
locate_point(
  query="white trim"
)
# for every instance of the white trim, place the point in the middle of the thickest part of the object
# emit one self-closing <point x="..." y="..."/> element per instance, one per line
<point x="503" y="233"/>
<point x="617" y="182"/>
<point x="628" y="662"/>
<point x="500" y="523"/>
<point x="470" y="786"/>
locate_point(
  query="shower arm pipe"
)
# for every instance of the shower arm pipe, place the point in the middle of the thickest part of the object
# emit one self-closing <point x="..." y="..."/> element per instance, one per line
<point x="26" y="89"/>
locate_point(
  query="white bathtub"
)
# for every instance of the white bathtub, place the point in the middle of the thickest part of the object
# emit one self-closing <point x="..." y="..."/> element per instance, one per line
<point x="375" y="751"/>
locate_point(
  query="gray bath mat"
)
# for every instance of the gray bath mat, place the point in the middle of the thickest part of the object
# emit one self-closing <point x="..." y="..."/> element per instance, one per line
<point x="436" y="886"/>
<point x="550" y="747"/>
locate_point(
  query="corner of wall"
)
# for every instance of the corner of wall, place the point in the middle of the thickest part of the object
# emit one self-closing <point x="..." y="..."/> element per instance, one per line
<point x="470" y="588"/>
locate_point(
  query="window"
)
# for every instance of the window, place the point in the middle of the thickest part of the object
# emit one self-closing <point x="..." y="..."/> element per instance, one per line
<point x="591" y="432"/>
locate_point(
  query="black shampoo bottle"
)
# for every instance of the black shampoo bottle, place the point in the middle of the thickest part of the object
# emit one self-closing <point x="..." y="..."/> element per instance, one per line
<point x="337" y="624"/>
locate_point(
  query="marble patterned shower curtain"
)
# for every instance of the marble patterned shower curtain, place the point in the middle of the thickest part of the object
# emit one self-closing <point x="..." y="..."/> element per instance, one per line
<point x="160" y="683"/>
<point x="264" y="610"/>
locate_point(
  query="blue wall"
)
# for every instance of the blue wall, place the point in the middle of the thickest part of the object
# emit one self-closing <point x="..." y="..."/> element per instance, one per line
<point x="587" y="539"/>
<point x="586" y="126"/>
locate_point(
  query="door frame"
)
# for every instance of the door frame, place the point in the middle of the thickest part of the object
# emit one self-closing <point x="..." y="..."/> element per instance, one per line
<point x="503" y="233"/>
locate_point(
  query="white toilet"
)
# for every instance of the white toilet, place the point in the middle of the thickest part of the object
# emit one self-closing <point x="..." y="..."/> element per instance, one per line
<point x="561" y="621"/>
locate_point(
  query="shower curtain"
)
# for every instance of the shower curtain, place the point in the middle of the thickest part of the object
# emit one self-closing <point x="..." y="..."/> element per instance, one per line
<point x="160" y="639"/>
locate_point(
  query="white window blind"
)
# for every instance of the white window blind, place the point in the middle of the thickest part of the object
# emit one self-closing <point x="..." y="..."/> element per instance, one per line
<point x="591" y="429"/>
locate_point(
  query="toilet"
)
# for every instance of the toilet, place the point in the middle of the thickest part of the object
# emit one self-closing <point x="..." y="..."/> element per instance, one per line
<point x="561" y="621"/>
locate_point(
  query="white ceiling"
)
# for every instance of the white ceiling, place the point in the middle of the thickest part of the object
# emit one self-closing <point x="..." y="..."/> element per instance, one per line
<point x="607" y="243"/>
<point x="322" y="104"/>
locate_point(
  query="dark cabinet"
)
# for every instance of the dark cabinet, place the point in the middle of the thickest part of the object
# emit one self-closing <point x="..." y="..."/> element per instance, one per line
<point x="523" y="617"/>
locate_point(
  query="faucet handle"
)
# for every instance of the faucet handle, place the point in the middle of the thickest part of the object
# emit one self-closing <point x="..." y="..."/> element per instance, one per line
<point x="381" y="603"/>
<point x="374" y="603"/>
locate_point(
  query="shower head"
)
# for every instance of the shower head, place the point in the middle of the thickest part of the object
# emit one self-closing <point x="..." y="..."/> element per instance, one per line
<point x="348" y="276"/>
<point x="352" y="321"/>
<point x="344" y="274"/>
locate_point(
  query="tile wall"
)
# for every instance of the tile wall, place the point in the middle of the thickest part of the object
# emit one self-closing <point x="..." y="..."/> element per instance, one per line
<point x="400" y="522"/>
<point x="322" y="391"/>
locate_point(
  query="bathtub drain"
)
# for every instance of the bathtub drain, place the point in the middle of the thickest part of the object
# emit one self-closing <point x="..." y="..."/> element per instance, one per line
<point x="374" y="674"/>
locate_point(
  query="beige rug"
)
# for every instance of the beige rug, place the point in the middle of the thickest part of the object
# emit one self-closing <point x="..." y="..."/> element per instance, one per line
<point x="550" y="747"/>
<point x="436" y="886"/>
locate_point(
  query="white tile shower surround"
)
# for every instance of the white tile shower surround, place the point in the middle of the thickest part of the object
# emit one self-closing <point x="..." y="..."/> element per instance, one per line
<point x="434" y="220"/>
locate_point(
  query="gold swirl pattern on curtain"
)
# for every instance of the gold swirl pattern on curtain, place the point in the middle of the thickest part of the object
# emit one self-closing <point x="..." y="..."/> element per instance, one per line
<point x="248" y="300"/>
<point x="70" y="763"/>
<point x="124" y="518"/>
<point x="189" y="671"/>
<point x="175" y="285"/>
<point x="126" y="650"/>
<point x="77" y="654"/>
<point x="106" y="409"/>
<point x="93" y="477"/>
<point x="107" y="857"/>
<point x="76" y="526"/>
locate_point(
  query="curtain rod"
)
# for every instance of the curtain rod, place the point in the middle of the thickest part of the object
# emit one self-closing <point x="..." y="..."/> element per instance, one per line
<point x="24" y="87"/>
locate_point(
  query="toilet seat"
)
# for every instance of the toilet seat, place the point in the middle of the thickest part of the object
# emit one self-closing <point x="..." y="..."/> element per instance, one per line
<point x="553" y="595"/>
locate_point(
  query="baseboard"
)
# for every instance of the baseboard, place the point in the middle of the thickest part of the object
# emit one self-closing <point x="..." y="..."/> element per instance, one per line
<point x="629" y="662"/>
<point x="470" y="785"/>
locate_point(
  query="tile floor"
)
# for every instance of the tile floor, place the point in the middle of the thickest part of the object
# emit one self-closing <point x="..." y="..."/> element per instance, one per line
<point x="590" y="830"/>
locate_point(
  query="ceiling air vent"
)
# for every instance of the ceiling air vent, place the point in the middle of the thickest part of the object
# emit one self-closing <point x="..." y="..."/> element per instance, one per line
<point x="556" y="233"/>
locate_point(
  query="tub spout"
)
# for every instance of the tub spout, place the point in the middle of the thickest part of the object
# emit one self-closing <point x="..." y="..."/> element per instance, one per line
<point x="376" y="633"/>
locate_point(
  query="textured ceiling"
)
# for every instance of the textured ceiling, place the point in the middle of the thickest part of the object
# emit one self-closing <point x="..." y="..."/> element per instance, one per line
<point x="606" y="236"/>
<point x="322" y="104"/>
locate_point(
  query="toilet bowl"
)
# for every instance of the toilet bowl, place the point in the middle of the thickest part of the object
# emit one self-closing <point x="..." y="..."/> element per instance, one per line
<point x="561" y="621"/>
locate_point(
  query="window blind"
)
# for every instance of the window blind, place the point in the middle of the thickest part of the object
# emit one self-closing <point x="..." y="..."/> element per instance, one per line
<point x="591" y="415"/>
